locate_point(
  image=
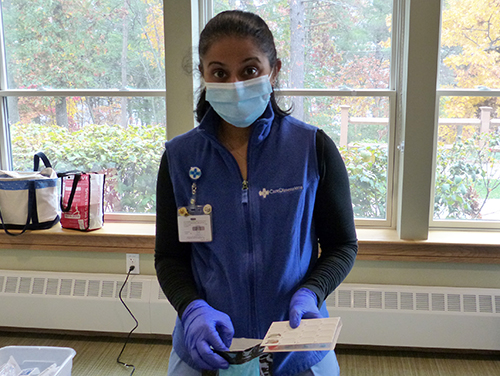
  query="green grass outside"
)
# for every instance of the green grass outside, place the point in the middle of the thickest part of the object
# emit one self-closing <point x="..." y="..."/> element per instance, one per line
<point x="481" y="190"/>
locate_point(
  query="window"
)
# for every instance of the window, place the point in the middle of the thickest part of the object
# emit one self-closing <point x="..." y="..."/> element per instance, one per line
<point x="434" y="159"/>
<point x="84" y="82"/>
<point x="467" y="178"/>
<point x="337" y="75"/>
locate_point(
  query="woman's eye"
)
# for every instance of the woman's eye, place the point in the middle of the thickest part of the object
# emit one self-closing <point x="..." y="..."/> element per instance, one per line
<point x="219" y="74"/>
<point x="251" y="71"/>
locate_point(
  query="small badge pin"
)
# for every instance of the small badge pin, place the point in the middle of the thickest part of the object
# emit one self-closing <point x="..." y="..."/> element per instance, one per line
<point x="207" y="209"/>
<point x="194" y="173"/>
<point x="183" y="212"/>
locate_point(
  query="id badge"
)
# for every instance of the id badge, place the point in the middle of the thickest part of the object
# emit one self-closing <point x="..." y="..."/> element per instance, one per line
<point x="195" y="223"/>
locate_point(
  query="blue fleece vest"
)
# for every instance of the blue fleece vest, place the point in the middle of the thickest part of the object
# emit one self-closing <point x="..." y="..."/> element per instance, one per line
<point x="264" y="242"/>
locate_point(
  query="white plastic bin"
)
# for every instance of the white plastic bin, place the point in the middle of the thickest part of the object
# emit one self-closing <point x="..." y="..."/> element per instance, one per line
<point x="41" y="357"/>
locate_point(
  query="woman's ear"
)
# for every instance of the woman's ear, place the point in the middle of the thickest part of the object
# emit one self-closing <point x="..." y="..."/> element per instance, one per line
<point x="276" y="71"/>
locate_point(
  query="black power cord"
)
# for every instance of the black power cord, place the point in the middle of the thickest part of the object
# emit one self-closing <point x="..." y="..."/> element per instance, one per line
<point x="135" y="327"/>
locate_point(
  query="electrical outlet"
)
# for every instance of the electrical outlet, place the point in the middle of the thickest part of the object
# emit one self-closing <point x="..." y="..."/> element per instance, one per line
<point x="133" y="260"/>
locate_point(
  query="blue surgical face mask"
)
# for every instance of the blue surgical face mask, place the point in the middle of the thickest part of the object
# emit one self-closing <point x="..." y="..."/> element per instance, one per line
<point x="240" y="103"/>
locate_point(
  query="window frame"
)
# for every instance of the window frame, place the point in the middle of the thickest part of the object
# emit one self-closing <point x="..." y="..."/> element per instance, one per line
<point x="206" y="12"/>
<point x="6" y="162"/>
<point x="415" y="77"/>
<point x="458" y="224"/>
<point x="439" y="225"/>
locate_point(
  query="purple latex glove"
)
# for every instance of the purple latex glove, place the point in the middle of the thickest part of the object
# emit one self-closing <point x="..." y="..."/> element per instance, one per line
<point x="304" y="304"/>
<point x="206" y="329"/>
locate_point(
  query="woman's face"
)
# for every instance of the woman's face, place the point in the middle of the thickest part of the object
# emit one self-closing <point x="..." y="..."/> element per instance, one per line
<point x="233" y="59"/>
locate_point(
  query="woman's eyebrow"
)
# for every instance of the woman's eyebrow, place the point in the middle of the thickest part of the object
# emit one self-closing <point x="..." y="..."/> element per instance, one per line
<point x="215" y="63"/>
<point x="248" y="59"/>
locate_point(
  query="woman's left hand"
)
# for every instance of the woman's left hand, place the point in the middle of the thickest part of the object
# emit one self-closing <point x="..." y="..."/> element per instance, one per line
<point x="304" y="304"/>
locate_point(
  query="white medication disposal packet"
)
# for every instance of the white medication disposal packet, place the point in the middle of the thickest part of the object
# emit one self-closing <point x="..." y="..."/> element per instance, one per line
<point x="311" y="335"/>
<point x="11" y="368"/>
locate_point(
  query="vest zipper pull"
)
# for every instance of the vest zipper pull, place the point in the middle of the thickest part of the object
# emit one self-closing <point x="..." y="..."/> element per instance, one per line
<point x="244" y="193"/>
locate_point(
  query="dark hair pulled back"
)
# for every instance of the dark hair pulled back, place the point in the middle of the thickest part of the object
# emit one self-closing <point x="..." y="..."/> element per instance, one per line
<point x="237" y="23"/>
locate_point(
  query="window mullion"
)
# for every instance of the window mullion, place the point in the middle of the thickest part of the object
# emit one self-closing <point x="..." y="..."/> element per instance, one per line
<point x="418" y="109"/>
<point x="336" y="92"/>
<point x="206" y="12"/>
<point x="82" y="92"/>
<point x="181" y="34"/>
<point x="5" y="147"/>
<point x="468" y="93"/>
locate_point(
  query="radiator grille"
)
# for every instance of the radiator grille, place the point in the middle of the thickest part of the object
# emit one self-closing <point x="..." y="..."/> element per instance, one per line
<point x="391" y="300"/>
<point x="453" y="302"/>
<point x="76" y="287"/>
<point x="417" y="299"/>
<point x="161" y="295"/>
<point x="375" y="301"/>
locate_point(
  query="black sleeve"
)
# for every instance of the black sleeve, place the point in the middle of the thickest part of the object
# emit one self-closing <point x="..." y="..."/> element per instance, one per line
<point x="334" y="220"/>
<point x="172" y="258"/>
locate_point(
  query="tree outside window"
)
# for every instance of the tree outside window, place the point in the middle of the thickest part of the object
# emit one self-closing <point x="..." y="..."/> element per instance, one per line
<point x="468" y="152"/>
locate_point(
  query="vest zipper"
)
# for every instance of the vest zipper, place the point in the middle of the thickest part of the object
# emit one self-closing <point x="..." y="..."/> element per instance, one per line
<point x="253" y="308"/>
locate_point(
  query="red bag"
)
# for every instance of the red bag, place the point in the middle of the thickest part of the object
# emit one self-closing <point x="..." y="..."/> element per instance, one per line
<point x="82" y="201"/>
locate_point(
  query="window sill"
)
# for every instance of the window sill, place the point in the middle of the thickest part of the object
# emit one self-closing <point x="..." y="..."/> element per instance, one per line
<point x="374" y="244"/>
<point x="112" y="237"/>
<point x="481" y="247"/>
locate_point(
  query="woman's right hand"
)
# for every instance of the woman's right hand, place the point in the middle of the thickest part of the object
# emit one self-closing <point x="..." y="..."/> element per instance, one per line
<point x="206" y="329"/>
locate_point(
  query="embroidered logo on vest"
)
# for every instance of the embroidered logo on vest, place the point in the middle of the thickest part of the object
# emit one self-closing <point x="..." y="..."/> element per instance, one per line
<point x="265" y="192"/>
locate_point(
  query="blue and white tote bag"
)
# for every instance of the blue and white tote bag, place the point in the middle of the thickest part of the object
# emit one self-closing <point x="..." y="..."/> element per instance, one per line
<point x="29" y="200"/>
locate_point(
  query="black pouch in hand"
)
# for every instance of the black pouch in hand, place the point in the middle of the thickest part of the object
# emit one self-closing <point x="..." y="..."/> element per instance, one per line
<point x="250" y="362"/>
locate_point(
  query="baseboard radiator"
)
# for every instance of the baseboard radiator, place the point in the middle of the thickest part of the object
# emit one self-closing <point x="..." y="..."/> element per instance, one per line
<point x="375" y="315"/>
<point x="83" y="302"/>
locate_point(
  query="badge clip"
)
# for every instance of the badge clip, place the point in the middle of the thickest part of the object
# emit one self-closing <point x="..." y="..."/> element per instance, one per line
<point x="194" y="221"/>
<point x="194" y="174"/>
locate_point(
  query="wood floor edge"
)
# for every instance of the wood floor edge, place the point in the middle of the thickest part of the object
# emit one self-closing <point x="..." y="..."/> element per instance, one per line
<point x="83" y="333"/>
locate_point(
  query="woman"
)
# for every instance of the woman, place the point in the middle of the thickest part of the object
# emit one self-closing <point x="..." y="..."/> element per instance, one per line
<point x="242" y="201"/>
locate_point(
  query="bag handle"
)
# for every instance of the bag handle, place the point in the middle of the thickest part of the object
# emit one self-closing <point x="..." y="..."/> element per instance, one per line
<point x="36" y="160"/>
<point x="76" y="179"/>
<point x="31" y="197"/>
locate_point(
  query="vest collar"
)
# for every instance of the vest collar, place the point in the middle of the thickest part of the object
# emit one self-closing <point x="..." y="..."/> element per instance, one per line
<point x="260" y="128"/>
